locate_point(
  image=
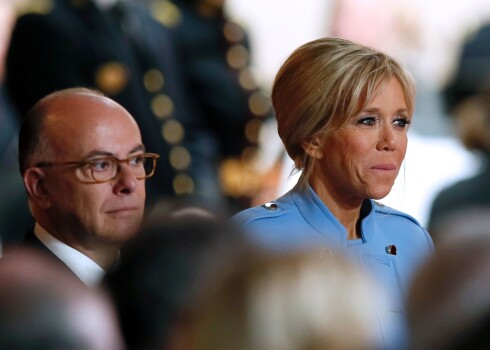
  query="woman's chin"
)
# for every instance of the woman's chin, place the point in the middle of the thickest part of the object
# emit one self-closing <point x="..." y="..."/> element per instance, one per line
<point x="380" y="193"/>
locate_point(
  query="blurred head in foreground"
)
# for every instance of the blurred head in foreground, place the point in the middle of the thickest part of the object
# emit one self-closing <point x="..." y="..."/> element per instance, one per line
<point x="293" y="301"/>
<point x="160" y="271"/>
<point x="43" y="306"/>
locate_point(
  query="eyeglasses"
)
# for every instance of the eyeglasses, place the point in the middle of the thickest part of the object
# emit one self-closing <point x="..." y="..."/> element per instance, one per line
<point x="105" y="169"/>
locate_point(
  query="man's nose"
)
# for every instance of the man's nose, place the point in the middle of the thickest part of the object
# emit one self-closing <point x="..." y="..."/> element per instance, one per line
<point x="126" y="180"/>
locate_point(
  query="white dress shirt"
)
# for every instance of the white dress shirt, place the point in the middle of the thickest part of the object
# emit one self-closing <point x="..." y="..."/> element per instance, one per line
<point x="89" y="272"/>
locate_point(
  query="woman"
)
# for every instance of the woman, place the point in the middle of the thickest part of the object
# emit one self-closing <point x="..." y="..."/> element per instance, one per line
<point x="343" y="111"/>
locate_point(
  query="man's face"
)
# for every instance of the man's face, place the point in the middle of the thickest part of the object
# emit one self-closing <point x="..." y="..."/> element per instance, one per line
<point x="90" y="213"/>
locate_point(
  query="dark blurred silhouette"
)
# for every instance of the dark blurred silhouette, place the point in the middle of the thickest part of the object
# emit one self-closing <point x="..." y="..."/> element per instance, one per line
<point x="14" y="212"/>
<point x="42" y="306"/>
<point x="468" y="101"/>
<point x="161" y="270"/>
<point x="448" y="303"/>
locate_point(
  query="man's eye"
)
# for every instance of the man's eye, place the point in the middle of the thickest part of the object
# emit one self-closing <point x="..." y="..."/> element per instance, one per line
<point x="137" y="160"/>
<point x="101" y="164"/>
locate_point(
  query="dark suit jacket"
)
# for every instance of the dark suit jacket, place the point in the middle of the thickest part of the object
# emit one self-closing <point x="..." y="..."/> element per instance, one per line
<point x="31" y="241"/>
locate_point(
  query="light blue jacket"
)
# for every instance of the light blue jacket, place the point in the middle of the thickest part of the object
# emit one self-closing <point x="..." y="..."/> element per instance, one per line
<point x="392" y="247"/>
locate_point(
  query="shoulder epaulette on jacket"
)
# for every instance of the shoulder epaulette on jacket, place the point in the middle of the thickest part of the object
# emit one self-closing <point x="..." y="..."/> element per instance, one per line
<point x="381" y="208"/>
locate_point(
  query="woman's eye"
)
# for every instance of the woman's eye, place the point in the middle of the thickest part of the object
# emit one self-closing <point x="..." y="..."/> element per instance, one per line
<point x="100" y="164"/>
<point x="367" y="121"/>
<point x="402" y="122"/>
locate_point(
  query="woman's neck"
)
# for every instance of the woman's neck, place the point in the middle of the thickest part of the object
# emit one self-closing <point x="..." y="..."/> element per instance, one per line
<point x="346" y="210"/>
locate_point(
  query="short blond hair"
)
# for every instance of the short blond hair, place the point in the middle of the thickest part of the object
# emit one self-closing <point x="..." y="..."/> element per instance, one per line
<point x="322" y="84"/>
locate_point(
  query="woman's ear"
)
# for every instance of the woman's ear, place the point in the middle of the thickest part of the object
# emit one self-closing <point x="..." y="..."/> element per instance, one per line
<point x="313" y="147"/>
<point x="35" y="184"/>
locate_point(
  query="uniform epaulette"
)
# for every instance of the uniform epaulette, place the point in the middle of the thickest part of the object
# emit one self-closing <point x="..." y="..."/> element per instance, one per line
<point x="381" y="208"/>
<point x="264" y="211"/>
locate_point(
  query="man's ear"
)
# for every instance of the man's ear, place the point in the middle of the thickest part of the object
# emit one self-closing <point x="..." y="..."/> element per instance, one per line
<point x="313" y="147"/>
<point x="35" y="184"/>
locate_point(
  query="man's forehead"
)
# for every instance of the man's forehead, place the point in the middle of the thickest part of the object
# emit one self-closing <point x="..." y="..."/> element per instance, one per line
<point x="88" y="124"/>
<point x="86" y="110"/>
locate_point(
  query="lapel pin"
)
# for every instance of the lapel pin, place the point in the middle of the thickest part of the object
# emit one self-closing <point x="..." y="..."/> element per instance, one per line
<point x="391" y="249"/>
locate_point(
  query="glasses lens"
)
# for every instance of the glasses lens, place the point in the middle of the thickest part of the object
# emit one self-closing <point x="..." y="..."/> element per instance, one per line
<point x="106" y="169"/>
<point x="142" y="165"/>
<point x="103" y="169"/>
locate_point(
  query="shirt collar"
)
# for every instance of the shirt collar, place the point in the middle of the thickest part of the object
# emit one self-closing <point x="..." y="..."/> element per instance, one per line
<point x="89" y="272"/>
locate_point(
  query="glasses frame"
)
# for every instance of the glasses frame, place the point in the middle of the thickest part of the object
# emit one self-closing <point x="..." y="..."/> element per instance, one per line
<point x="80" y="164"/>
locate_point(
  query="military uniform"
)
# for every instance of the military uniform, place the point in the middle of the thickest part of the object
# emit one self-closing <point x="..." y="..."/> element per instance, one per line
<point x="128" y="56"/>
<point x="216" y="63"/>
<point x="392" y="246"/>
<point x="15" y="216"/>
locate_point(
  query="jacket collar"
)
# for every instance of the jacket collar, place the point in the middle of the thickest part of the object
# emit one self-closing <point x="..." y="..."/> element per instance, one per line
<point x="315" y="212"/>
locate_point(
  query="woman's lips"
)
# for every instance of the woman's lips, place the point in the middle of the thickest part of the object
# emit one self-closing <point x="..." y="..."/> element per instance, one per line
<point x="384" y="167"/>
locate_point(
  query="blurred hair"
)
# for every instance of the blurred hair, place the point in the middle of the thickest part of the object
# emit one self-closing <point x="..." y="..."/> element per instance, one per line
<point x="289" y="301"/>
<point x="44" y="306"/>
<point x="325" y="82"/>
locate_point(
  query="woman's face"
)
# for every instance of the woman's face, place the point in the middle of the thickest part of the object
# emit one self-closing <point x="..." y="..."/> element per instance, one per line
<point x="362" y="159"/>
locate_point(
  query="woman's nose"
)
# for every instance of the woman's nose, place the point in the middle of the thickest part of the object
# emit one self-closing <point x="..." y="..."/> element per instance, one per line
<point x="387" y="138"/>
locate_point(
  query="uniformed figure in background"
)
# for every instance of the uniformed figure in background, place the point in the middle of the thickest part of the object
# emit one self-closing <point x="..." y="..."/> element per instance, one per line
<point x="115" y="47"/>
<point x="14" y="211"/>
<point x="216" y="61"/>
<point x="120" y="49"/>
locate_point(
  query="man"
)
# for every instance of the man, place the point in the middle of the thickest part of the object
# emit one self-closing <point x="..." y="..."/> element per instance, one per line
<point x="83" y="165"/>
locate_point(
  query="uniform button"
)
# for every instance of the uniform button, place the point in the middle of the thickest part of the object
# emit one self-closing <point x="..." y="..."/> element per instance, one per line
<point x="246" y="79"/>
<point x="153" y="80"/>
<point x="111" y="77"/>
<point x="183" y="184"/>
<point x="270" y="206"/>
<point x="180" y="158"/>
<point x="166" y="13"/>
<point x="162" y="106"/>
<point x="233" y="32"/>
<point x="259" y="104"/>
<point x="252" y="130"/>
<point x="249" y="154"/>
<point x="391" y="249"/>
<point x="172" y="132"/>
<point x="237" y="56"/>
